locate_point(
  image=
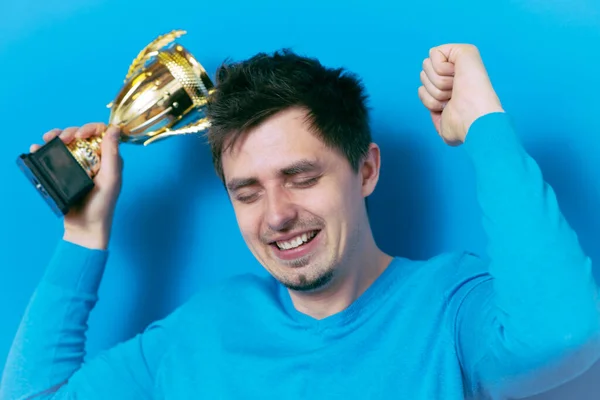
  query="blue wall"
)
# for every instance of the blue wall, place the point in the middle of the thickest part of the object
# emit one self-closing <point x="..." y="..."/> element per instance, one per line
<point x="175" y="232"/>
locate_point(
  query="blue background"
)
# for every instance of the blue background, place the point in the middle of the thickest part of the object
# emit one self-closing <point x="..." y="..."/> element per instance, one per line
<point x="62" y="61"/>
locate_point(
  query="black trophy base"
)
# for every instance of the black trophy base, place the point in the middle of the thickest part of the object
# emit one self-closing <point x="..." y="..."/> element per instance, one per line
<point x="56" y="175"/>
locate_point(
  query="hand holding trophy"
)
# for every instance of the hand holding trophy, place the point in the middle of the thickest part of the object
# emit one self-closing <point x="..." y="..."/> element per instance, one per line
<point x="89" y="222"/>
<point x="164" y="94"/>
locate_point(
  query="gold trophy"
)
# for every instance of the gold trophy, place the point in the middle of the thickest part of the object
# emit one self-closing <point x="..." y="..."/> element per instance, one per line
<point x="164" y="94"/>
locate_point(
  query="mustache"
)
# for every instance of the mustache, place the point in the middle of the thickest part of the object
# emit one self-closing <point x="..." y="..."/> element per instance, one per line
<point x="305" y="224"/>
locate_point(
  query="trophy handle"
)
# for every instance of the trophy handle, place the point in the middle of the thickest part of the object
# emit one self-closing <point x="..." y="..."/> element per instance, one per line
<point x="151" y="49"/>
<point x="196" y="127"/>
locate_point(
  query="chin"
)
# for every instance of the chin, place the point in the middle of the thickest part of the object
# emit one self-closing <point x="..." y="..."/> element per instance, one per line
<point x="303" y="283"/>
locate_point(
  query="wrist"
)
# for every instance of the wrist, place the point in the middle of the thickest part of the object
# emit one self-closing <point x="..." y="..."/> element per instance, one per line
<point x="493" y="143"/>
<point x="489" y="110"/>
<point x="96" y="239"/>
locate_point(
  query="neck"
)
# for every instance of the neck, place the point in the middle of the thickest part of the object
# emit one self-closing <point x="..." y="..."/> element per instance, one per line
<point x="366" y="264"/>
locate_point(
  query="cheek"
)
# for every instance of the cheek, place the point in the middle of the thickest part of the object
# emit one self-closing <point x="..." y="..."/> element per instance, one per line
<point x="349" y="201"/>
<point x="332" y="200"/>
<point x="248" y="221"/>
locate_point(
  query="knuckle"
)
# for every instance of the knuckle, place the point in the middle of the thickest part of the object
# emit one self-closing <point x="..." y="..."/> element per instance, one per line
<point x="85" y="127"/>
<point x="440" y="68"/>
<point x="93" y="125"/>
<point x="92" y="128"/>
<point x="52" y="131"/>
<point x="432" y="103"/>
<point x="444" y="82"/>
<point x="422" y="94"/>
<point x="471" y="48"/>
<point x="69" y="130"/>
<point x="438" y="94"/>
<point x="436" y="90"/>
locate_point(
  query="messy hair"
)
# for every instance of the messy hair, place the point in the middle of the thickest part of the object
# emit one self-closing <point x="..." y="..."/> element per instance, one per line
<point x="249" y="92"/>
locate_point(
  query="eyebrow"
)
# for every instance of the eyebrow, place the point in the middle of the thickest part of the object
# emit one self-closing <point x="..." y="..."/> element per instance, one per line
<point x="238" y="183"/>
<point x="298" y="167"/>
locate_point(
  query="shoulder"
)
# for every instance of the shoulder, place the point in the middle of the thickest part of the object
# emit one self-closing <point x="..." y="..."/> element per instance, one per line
<point x="447" y="274"/>
<point x="237" y="290"/>
<point x="465" y="265"/>
<point x="447" y="266"/>
<point x="464" y="275"/>
<point x="224" y="299"/>
<point x="217" y="314"/>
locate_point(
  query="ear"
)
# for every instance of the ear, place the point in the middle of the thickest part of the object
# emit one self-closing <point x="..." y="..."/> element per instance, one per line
<point x="369" y="169"/>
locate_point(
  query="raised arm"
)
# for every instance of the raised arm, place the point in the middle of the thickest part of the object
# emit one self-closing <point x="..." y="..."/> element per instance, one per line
<point x="46" y="359"/>
<point x="535" y="323"/>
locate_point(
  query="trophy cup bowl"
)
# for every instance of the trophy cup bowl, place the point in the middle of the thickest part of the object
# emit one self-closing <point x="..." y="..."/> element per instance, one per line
<point x="164" y="94"/>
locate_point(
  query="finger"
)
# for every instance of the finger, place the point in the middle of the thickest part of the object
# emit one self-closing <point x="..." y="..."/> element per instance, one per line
<point x="68" y="134"/>
<point x="441" y="82"/>
<point x="110" y="162"/>
<point x="441" y="95"/>
<point x="48" y="136"/>
<point x="440" y="62"/>
<point x="465" y="57"/>
<point x="34" y="147"/>
<point x="429" y="102"/>
<point x="91" y="129"/>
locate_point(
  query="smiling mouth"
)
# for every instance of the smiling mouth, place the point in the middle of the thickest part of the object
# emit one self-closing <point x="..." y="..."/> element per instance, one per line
<point x="296" y="242"/>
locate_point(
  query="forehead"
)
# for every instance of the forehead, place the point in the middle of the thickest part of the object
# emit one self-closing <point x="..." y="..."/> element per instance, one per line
<point x="282" y="139"/>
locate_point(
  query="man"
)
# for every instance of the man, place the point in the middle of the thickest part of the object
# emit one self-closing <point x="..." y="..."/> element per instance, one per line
<point x="339" y="318"/>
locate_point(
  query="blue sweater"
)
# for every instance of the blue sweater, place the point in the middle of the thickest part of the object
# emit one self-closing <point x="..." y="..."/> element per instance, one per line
<point x="451" y="327"/>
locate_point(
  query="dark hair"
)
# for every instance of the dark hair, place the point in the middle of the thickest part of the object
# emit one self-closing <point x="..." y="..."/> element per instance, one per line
<point x="249" y="92"/>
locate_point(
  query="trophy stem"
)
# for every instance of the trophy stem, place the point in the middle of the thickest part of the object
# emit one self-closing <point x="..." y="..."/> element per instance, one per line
<point x="87" y="153"/>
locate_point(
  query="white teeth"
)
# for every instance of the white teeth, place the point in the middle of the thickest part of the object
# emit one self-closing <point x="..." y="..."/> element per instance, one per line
<point x="297" y="241"/>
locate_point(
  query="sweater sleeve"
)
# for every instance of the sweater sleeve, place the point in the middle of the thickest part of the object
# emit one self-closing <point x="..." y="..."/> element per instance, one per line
<point x="46" y="359"/>
<point x="535" y="323"/>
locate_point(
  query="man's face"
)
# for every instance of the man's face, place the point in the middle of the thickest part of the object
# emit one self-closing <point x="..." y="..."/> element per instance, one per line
<point x="299" y="205"/>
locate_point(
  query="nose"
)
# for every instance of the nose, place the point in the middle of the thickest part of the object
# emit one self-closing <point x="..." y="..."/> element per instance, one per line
<point x="280" y="212"/>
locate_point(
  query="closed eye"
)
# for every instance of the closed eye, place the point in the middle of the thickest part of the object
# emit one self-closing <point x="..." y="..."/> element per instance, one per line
<point x="306" y="182"/>
<point x="248" y="198"/>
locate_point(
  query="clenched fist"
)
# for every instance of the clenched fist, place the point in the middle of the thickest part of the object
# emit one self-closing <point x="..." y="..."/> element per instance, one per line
<point x="456" y="90"/>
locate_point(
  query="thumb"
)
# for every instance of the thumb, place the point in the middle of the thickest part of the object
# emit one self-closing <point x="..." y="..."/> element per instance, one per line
<point x="440" y="61"/>
<point x="110" y="160"/>
<point x="453" y="57"/>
